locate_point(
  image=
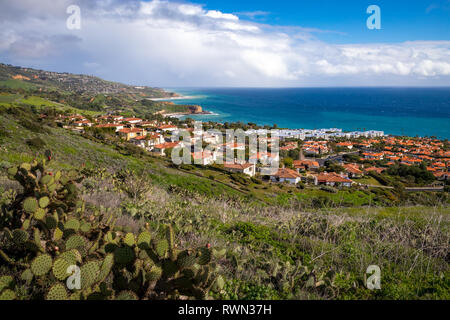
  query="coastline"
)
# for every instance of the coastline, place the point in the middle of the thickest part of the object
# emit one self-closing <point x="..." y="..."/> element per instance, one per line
<point x="183" y="114"/>
<point x="404" y="112"/>
<point x="173" y="98"/>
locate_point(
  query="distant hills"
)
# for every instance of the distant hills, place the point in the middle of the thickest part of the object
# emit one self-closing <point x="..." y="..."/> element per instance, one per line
<point x="28" y="78"/>
<point x="27" y="86"/>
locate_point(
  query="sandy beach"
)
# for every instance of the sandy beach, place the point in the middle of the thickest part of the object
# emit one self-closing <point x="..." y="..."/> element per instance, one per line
<point x="173" y="98"/>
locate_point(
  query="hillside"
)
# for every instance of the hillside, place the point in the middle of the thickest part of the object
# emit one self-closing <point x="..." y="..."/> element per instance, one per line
<point x="26" y="86"/>
<point x="19" y="77"/>
<point x="273" y="250"/>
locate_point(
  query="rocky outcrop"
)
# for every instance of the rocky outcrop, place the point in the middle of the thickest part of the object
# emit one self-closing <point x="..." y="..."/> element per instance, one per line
<point x="196" y="109"/>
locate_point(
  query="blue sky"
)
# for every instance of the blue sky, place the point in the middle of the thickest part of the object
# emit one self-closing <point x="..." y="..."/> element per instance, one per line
<point x="249" y="43"/>
<point x="402" y="20"/>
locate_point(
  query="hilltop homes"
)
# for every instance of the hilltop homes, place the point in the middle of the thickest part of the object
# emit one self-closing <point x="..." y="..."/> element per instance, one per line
<point x="286" y="175"/>
<point x="131" y="133"/>
<point x="332" y="179"/>
<point x="245" y="168"/>
<point x="369" y="151"/>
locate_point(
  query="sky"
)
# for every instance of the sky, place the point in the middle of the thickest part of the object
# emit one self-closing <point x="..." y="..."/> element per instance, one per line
<point x="203" y="43"/>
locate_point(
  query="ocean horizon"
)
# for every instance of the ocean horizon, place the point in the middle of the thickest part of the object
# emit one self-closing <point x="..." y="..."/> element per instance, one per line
<point x="412" y="111"/>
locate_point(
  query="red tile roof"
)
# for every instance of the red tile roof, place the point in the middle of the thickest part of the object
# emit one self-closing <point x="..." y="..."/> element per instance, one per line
<point x="286" y="173"/>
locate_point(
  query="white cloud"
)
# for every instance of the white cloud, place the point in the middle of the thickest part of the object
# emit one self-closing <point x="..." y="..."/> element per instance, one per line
<point x="168" y="44"/>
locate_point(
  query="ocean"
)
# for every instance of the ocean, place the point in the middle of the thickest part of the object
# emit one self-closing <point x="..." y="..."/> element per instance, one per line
<point x="396" y="111"/>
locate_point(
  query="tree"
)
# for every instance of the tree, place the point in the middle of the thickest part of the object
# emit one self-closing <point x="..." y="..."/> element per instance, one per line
<point x="288" y="162"/>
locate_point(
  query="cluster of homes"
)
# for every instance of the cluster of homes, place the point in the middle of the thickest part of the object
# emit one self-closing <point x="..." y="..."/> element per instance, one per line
<point x="408" y="152"/>
<point x="156" y="137"/>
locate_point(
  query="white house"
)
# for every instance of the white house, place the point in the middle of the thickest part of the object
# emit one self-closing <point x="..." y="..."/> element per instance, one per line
<point x="286" y="175"/>
<point x="245" y="168"/>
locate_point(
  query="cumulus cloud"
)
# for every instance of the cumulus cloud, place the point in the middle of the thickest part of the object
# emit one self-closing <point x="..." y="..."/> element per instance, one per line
<point x="181" y="44"/>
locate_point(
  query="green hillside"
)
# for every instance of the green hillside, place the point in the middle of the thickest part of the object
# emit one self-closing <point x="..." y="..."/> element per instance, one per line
<point x="277" y="249"/>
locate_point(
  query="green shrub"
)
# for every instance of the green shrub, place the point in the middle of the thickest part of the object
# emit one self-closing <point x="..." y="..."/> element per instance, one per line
<point x="36" y="143"/>
<point x="329" y="189"/>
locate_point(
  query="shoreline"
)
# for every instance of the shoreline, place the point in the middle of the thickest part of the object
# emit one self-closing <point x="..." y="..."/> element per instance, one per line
<point x="173" y="98"/>
<point x="183" y="114"/>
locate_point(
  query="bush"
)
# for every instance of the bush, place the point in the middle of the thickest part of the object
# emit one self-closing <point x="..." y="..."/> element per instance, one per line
<point x="36" y="143"/>
<point x="329" y="189"/>
<point x="256" y="180"/>
<point x="3" y="132"/>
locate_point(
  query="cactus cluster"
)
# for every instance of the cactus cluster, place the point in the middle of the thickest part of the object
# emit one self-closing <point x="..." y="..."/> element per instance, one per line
<point x="52" y="240"/>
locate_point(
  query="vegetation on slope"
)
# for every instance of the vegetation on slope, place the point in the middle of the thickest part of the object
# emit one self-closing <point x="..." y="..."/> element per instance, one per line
<point x="274" y="250"/>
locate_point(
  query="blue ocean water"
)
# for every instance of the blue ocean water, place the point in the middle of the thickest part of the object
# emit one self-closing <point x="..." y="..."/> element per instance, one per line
<point x="397" y="111"/>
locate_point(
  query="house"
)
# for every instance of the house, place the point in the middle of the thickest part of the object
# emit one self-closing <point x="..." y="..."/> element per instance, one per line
<point x="353" y="170"/>
<point x="441" y="175"/>
<point x="83" y="123"/>
<point x="347" y="145"/>
<point x="204" y="158"/>
<point x="245" y="168"/>
<point x="210" y="138"/>
<point x="306" y="165"/>
<point x="231" y="146"/>
<point x="168" y="128"/>
<point x="140" y="141"/>
<point x="286" y="175"/>
<point x="130" y="133"/>
<point x="265" y="158"/>
<point x="161" y="148"/>
<point x="147" y="124"/>
<point x="132" y="120"/>
<point x="375" y="169"/>
<point x="373" y="155"/>
<point x="116" y="118"/>
<point x="117" y="127"/>
<point x="154" y="139"/>
<point x="333" y="179"/>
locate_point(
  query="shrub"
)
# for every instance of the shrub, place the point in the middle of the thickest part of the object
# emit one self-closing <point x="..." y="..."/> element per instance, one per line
<point x="36" y="143"/>
<point x="329" y="189"/>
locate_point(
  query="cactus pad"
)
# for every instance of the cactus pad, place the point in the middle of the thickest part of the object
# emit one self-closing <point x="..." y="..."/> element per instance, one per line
<point x="123" y="255"/>
<point x="143" y="240"/>
<point x="204" y="256"/>
<point x="60" y="267"/>
<point x="76" y="242"/>
<point x="57" y="292"/>
<point x="155" y="273"/>
<point x="51" y="222"/>
<point x="26" y="166"/>
<point x="127" y="295"/>
<point x="6" y="282"/>
<point x="7" y="295"/>
<point x="219" y="253"/>
<point x="57" y="234"/>
<point x="185" y="260"/>
<point x="129" y="239"/>
<point x="39" y="214"/>
<point x="72" y="224"/>
<point x="41" y="265"/>
<point x="72" y="256"/>
<point x="19" y="236"/>
<point x="44" y="202"/>
<point x="161" y="247"/>
<point x="85" y="227"/>
<point x="12" y="171"/>
<point x="106" y="267"/>
<point x="27" y="276"/>
<point x="30" y="205"/>
<point x="89" y="274"/>
<point x="47" y="180"/>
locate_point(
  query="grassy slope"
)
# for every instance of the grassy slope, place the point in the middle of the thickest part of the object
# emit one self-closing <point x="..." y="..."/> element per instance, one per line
<point x="72" y="151"/>
<point x="263" y="242"/>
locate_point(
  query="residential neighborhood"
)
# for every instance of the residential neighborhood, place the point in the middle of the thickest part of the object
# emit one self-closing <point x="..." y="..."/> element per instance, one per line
<point x="328" y="157"/>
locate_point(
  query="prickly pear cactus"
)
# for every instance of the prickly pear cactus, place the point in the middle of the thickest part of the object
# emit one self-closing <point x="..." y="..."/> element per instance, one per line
<point x="55" y="242"/>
